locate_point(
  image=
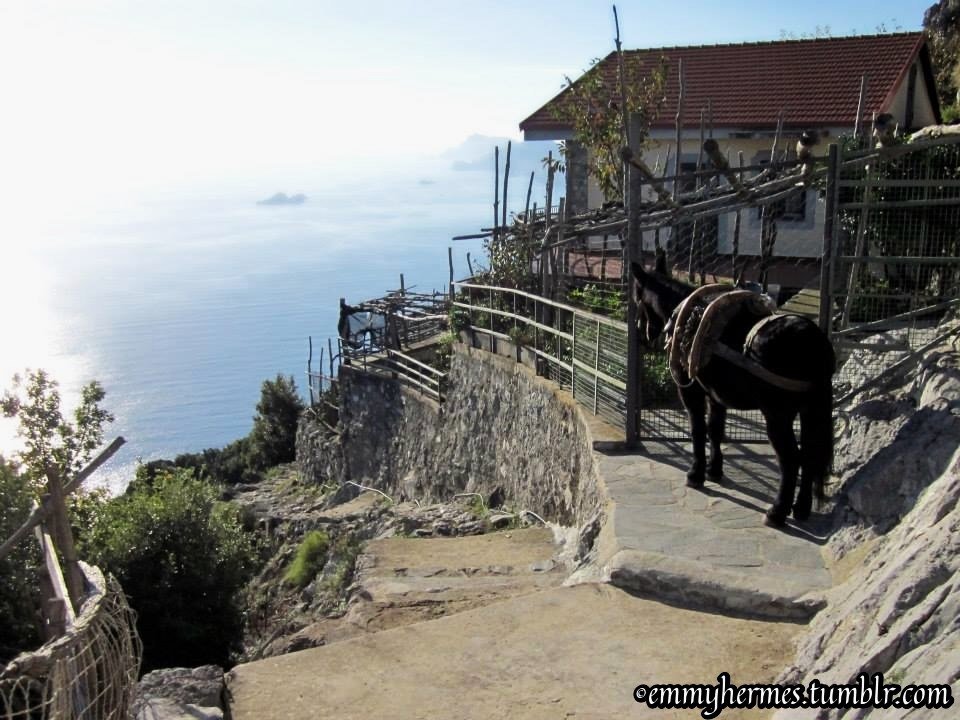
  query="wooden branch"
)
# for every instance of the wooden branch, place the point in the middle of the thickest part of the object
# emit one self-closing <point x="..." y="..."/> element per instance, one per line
<point x="107" y="453"/>
<point x="42" y="512"/>
<point x="648" y="176"/>
<point x="712" y="148"/>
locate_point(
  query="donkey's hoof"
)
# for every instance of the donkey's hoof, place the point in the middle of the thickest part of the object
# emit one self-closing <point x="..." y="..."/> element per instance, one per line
<point x="695" y="480"/>
<point x="775" y="518"/>
<point x="718" y="479"/>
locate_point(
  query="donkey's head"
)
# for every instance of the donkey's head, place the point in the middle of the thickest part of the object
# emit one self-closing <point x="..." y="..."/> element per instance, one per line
<point x="650" y="318"/>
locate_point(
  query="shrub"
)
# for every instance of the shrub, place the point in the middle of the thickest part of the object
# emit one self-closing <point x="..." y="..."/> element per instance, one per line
<point x="310" y="558"/>
<point x="226" y="466"/>
<point x="521" y="335"/>
<point x="182" y="558"/>
<point x="273" y="438"/>
<point x="20" y="570"/>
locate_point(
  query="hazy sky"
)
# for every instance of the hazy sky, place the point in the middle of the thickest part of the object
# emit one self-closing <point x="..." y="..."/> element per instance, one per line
<point x="100" y="96"/>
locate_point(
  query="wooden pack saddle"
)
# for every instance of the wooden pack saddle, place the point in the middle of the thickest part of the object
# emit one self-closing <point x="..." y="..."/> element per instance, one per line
<point x="699" y="321"/>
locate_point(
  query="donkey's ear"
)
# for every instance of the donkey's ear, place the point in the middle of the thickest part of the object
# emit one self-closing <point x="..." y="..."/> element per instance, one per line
<point x="660" y="263"/>
<point x="637" y="271"/>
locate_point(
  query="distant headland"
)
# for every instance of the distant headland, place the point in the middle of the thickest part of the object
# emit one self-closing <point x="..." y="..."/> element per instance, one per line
<point x="284" y="199"/>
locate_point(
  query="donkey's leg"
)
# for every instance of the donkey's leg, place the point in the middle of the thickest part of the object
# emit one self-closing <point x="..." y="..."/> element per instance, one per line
<point x="816" y="450"/>
<point x="780" y="432"/>
<point x="808" y="468"/>
<point x="694" y="400"/>
<point x="716" y="422"/>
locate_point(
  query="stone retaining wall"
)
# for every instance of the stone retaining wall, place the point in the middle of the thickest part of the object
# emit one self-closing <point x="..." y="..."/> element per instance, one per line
<point x="501" y="427"/>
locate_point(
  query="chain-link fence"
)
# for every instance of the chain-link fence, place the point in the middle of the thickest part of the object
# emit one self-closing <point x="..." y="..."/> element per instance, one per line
<point x="90" y="673"/>
<point x="894" y="268"/>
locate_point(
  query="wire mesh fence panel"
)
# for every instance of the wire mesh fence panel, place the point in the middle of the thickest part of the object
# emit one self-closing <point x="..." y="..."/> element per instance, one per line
<point x="895" y="257"/>
<point x="582" y="352"/>
<point x="89" y="673"/>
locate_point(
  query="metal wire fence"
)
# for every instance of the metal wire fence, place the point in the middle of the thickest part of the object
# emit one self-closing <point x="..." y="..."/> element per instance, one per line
<point x="894" y="270"/>
<point x="90" y="673"/>
<point x="583" y="352"/>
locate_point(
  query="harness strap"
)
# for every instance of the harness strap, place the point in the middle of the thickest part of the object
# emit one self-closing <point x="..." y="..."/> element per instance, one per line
<point x="755" y="368"/>
<point x="680" y="325"/>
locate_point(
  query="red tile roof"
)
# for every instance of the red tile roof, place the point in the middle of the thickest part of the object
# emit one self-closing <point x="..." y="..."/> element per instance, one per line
<point x="814" y="82"/>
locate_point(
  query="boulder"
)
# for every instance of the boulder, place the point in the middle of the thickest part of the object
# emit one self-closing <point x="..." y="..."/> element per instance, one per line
<point x="174" y="693"/>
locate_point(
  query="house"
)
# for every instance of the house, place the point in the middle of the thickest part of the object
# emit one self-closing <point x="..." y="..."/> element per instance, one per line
<point x="744" y="88"/>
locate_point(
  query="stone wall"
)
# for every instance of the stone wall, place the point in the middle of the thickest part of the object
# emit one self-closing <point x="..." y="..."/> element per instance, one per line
<point x="501" y="427"/>
<point x="319" y="452"/>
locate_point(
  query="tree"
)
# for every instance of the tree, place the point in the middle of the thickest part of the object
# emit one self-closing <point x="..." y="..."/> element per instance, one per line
<point x="182" y="557"/>
<point x="941" y="24"/>
<point x="593" y="108"/>
<point x="273" y="438"/>
<point x="50" y="440"/>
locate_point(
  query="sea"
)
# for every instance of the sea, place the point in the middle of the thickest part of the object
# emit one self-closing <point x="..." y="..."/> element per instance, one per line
<point x="183" y="303"/>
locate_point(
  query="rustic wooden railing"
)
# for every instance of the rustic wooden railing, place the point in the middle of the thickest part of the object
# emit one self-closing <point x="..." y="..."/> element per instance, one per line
<point x="428" y="380"/>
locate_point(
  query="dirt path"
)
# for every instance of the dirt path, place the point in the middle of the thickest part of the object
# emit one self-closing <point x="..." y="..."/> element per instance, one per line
<point x="500" y="640"/>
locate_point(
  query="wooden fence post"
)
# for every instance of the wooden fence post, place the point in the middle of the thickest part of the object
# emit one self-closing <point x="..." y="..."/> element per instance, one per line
<point x="64" y="537"/>
<point x="829" y="247"/>
<point x="632" y="253"/>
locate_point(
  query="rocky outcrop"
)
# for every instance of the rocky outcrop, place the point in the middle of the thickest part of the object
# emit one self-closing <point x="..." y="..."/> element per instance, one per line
<point x="898" y="611"/>
<point x="893" y="443"/>
<point x="181" y="693"/>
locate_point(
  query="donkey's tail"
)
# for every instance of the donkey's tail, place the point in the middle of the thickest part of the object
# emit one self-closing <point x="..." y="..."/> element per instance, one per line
<point x="816" y="437"/>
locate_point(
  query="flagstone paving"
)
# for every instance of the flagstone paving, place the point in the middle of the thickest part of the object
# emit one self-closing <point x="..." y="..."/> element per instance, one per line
<point x="706" y="548"/>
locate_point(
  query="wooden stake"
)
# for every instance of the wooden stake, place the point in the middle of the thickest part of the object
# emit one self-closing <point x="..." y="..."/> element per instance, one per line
<point x="64" y="538"/>
<point x="679" y="140"/>
<point x="559" y="250"/>
<point x="860" y="103"/>
<point x="526" y="207"/>
<point x="309" y="369"/>
<point x="506" y="179"/>
<point x="496" y="189"/>
<point x="624" y="111"/>
<point x="632" y="254"/>
<point x="544" y="251"/>
<point x="736" y="223"/>
<point x="450" y="263"/>
<point x="694" y="239"/>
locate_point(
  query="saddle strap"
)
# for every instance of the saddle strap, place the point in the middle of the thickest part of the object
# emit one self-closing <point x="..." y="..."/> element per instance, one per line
<point x="758" y="370"/>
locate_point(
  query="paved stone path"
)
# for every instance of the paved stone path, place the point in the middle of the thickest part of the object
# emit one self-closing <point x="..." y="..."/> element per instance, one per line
<point x="707" y="548"/>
